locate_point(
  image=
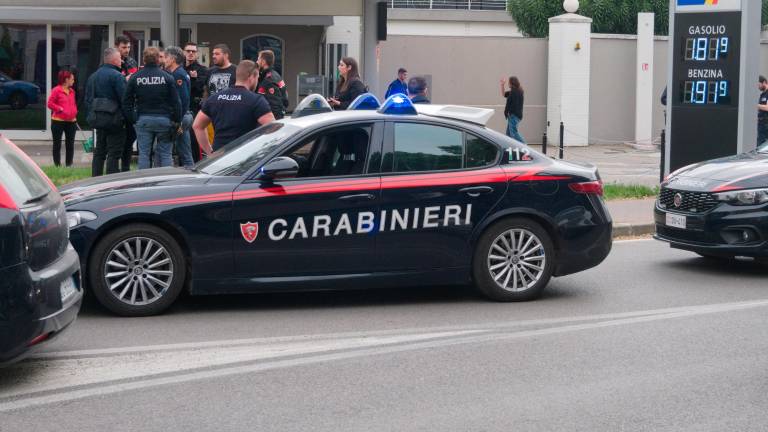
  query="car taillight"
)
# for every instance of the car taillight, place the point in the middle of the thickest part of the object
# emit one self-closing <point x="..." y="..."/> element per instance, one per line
<point x="593" y="187"/>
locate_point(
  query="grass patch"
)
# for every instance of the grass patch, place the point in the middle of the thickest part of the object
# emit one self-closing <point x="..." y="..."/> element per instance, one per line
<point x="615" y="191"/>
<point x="62" y="175"/>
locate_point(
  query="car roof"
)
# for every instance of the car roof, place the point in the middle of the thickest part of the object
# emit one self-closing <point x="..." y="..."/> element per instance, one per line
<point x="330" y="118"/>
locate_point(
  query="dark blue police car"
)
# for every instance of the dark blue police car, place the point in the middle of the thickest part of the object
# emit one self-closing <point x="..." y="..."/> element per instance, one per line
<point x="717" y="208"/>
<point x="353" y="199"/>
<point x="40" y="292"/>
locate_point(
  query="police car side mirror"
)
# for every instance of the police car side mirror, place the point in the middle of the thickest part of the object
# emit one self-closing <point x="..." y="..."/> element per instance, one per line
<point x="278" y="168"/>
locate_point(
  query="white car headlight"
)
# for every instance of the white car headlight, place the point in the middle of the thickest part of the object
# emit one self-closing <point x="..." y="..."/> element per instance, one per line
<point x="744" y="196"/>
<point x="77" y="218"/>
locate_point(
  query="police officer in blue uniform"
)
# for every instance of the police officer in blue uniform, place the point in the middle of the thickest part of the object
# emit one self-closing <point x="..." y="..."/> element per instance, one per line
<point x="152" y="98"/>
<point x="174" y="58"/>
<point x="233" y="111"/>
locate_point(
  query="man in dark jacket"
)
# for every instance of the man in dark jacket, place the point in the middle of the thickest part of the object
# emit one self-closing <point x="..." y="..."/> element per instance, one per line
<point x="174" y="58"/>
<point x="152" y="94"/>
<point x="399" y="84"/>
<point x="128" y="67"/>
<point x="271" y="84"/>
<point x="417" y="88"/>
<point x="198" y="77"/>
<point x="107" y="83"/>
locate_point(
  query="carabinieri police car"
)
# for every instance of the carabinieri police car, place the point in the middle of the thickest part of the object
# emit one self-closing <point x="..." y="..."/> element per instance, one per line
<point x="370" y="197"/>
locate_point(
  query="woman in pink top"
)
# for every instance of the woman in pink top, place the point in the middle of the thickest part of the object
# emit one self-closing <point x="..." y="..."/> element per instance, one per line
<point x="63" y="116"/>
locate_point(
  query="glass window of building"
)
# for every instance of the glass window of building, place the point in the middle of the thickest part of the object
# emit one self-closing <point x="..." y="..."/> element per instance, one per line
<point x="78" y="49"/>
<point x="251" y="45"/>
<point x="22" y="76"/>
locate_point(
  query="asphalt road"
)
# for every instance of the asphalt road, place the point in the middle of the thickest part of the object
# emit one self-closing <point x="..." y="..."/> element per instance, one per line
<point x="653" y="339"/>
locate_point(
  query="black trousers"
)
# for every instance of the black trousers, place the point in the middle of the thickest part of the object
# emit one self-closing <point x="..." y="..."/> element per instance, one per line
<point x="68" y="129"/>
<point x="125" y="158"/>
<point x="110" y="146"/>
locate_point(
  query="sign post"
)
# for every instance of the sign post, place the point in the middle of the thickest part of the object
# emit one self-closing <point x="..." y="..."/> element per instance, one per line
<point x="712" y="78"/>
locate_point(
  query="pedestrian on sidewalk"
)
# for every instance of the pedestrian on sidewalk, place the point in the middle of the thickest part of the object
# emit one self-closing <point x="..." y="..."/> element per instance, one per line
<point x="513" y="110"/>
<point x="106" y="113"/>
<point x="63" y="106"/>
<point x="762" y="111"/>
<point x="399" y="84"/>
<point x="350" y="86"/>
<point x="152" y="95"/>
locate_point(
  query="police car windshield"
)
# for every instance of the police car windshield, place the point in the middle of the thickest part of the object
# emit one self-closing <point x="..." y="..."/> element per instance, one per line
<point x="763" y="148"/>
<point x="237" y="157"/>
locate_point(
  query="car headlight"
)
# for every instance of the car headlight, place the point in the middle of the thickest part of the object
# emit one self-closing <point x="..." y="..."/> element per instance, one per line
<point x="744" y="196"/>
<point x="77" y="218"/>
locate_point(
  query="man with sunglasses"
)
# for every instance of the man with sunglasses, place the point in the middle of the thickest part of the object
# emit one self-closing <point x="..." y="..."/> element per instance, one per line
<point x="198" y="76"/>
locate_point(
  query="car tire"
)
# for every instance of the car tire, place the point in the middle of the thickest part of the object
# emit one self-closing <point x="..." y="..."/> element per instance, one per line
<point x="18" y="101"/>
<point x="505" y="271"/>
<point x="137" y="270"/>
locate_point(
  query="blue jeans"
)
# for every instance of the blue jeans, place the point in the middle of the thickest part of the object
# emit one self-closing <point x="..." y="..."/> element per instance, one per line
<point x="512" y="123"/>
<point x="149" y="128"/>
<point x="183" y="146"/>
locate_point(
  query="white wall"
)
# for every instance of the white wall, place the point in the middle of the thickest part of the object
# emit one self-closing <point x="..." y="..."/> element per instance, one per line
<point x="345" y="30"/>
<point x="452" y="28"/>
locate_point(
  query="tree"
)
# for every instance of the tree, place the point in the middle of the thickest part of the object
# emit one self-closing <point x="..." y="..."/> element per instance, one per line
<point x="608" y="16"/>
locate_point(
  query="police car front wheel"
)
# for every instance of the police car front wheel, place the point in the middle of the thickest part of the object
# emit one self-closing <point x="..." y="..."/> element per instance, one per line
<point x="513" y="260"/>
<point x="137" y="270"/>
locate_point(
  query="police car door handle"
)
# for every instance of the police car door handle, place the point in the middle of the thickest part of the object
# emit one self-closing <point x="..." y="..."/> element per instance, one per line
<point x="476" y="191"/>
<point x="358" y="197"/>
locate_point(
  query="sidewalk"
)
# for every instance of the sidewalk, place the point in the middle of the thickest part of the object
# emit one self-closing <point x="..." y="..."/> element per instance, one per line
<point x="632" y="217"/>
<point x="615" y="163"/>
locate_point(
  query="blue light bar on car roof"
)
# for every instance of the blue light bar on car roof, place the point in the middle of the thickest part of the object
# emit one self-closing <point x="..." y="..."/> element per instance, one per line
<point x="398" y="104"/>
<point x="366" y="101"/>
<point x="312" y="104"/>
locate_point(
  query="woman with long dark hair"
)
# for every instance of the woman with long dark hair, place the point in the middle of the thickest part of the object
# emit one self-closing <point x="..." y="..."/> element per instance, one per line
<point x="513" y="110"/>
<point x="63" y="106"/>
<point x="350" y="85"/>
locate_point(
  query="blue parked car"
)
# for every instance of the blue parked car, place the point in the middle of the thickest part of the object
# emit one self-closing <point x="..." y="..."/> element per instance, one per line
<point x="17" y="94"/>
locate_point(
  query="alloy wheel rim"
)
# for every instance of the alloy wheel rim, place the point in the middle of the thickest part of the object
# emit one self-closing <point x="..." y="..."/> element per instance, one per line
<point x="138" y="271"/>
<point x="516" y="260"/>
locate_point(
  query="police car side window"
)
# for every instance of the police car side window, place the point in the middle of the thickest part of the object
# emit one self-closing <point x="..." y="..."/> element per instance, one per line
<point x="480" y="152"/>
<point x="335" y="152"/>
<point x="422" y="147"/>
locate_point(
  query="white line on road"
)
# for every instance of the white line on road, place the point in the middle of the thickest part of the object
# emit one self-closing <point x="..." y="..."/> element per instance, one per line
<point x="407" y="344"/>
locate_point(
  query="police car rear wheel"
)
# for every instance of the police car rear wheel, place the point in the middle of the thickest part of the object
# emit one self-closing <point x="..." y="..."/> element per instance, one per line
<point x="513" y="260"/>
<point x="137" y="270"/>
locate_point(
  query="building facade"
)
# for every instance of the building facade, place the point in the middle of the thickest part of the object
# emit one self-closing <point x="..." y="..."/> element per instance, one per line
<point x="40" y="37"/>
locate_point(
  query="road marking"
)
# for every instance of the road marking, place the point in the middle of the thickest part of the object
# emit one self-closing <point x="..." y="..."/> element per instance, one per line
<point x="311" y="354"/>
<point x="54" y="355"/>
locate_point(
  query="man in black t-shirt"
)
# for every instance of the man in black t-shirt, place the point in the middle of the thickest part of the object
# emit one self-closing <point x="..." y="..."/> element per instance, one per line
<point x="222" y="75"/>
<point x="233" y="111"/>
<point x="762" y="111"/>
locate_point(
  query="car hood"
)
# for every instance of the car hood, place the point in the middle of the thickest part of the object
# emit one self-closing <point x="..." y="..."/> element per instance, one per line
<point x="142" y="180"/>
<point x="743" y="171"/>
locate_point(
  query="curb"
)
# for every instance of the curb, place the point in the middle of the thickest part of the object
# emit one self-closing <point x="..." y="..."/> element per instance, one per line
<point x="633" y="230"/>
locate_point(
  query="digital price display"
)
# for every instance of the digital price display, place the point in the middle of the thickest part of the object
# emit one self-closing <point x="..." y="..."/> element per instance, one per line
<point x="705" y="86"/>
